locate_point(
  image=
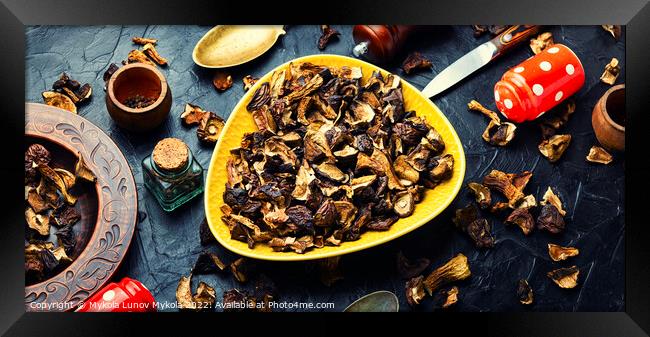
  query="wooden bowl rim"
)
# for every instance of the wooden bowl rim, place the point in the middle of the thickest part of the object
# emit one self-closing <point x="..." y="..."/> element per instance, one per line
<point x="111" y="91"/>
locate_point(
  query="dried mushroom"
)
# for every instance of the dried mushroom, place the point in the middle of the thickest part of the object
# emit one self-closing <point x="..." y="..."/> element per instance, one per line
<point x="510" y="185"/>
<point x="65" y="216"/>
<point x="612" y="70"/>
<point x="240" y="269"/>
<point x="482" y="194"/>
<point x="551" y="121"/>
<point x="559" y="253"/>
<point x="476" y="106"/>
<point x="416" y="61"/>
<point x="455" y="269"/>
<point x="55" y="179"/>
<point x="522" y="218"/>
<point x="193" y="114"/>
<point x="551" y="198"/>
<point x="207" y="263"/>
<point x="82" y="171"/>
<point x="334" y="156"/>
<point x="202" y="300"/>
<point x="151" y="51"/>
<point x="415" y="290"/>
<point x="411" y="268"/>
<point x="566" y="278"/>
<point x="554" y="147"/>
<point x="143" y="40"/>
<point x="205" y="235"/>
<point x="73" y="89"/>
<point x="524" y="292"/>
<point x="615" y="30"/>
<point x="38" y="222"/>
<point x="541" y="42"/>
<point x="499" y="134"/>
<point x="210" y="128"/>
<point x="249" y="81"/>
<point x="445" y="298"/>
<point x="137" y="56"/>
<point x="222" y="80"/>
<point x="550" y="219"/>
<point x="328" y="33"/>
<point x="58" y="100"/>
<point x="599" y="155"/>
<point x="479" y="230"/>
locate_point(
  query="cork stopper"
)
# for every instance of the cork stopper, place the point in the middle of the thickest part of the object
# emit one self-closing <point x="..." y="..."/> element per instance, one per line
<point x="171" y="154"/>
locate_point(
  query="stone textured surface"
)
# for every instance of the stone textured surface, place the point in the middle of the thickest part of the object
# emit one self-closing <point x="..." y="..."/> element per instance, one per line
<point x="166" y="245"/>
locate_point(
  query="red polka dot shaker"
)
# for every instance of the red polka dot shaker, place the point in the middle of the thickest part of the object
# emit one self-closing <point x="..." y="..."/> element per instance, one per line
<point x="128" y="295"/>
<point x="538" y="84"/>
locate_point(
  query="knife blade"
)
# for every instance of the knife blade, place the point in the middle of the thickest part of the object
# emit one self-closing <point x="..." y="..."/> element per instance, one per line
<point x="478" y="57"/>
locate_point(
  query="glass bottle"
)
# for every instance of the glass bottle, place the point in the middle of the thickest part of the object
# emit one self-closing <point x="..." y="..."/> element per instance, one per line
<point x="172" y="185"/>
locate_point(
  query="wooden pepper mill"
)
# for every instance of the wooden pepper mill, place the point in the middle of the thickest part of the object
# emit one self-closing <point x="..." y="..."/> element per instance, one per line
<point x="380" y="43"/>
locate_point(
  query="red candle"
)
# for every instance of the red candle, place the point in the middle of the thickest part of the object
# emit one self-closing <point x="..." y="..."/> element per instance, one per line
<point x="128" y="295"/>
<point x="536" y="85"/>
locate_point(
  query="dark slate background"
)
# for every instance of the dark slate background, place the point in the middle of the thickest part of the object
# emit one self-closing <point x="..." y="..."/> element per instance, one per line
<point x="166" y="245"/>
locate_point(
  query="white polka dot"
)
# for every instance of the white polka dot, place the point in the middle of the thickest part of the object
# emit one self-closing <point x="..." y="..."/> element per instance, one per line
<point x="538" y="89"/>
<point x="519" y="70"/>
<point x="541" y="113"/>
<point x="553" y="50"/>
<point x="570" y="69"/>
<point x="109" y="295"/>
<point x="496" y="95"/>
<point x="545" y="65"/>
<point x="508" y="103"/>
<point x="558" y="96"/>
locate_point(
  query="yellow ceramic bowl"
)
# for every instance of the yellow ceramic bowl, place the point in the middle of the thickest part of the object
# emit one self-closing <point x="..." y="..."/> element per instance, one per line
<point x="241" y="122"/>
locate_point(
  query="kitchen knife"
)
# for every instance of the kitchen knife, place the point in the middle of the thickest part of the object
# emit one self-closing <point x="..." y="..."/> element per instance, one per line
<point x="479" y="57"/>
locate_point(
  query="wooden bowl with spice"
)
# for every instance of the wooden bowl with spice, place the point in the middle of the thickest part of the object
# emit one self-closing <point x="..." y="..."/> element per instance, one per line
<point x="138" y="97"/>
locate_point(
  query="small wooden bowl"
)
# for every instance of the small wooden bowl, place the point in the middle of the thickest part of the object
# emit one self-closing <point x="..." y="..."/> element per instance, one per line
<point x="608" y="119"/>
<point x="138" y="79"/>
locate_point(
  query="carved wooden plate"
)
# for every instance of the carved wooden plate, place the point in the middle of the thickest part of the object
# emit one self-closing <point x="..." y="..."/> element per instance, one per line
<point x="109" y="211"/>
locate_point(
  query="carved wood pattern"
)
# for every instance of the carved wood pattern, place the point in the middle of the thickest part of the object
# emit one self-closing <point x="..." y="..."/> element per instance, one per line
<point x="117" y="207"/>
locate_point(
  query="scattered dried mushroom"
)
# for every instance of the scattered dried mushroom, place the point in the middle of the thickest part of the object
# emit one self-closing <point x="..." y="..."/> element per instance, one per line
<point x="249" y="81"/>
<point x="416" y="61"/>
<point x="67" y="93"/>
<point x="49" y="203"/>
<point x="522" y="218"/>
<point x="143" y="40"/>
<point x="59" y="100"/>
<point x="566" y="278"/>
<point x="479" y="230"/>
<point x="559" y="253"/>
<point x="612" y="70"/>
<point x="148" y="55"/>
<point x="203" y="299"/>
<point x="151" y="51"/>
<point x="210" y="124"/>
<point x="599" y="155"/>
<point x="333" y="157"/>
<point x="541" y="42"/>
<point x="615" y="30"/>
<point x="482" y="194"/>
<point x="551" y="121"/>
<point x="456" y="269"/>
<point x="496" y="133"/>
<point x="524" y="292"/>
<point x="222" y="80"/>
<point x="554" y="147"/>
<point x="328" y="33"/>
<point x="445" y="298"/>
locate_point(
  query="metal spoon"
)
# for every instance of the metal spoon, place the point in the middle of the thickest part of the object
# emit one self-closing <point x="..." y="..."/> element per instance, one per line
<point x="380" y="301"/>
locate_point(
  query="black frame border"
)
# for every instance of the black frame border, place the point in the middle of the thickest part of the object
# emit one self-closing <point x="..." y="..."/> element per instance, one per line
<point x="635" y="14"/>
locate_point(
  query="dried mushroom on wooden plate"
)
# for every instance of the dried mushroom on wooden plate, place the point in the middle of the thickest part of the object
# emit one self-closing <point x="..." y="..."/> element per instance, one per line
<point x="327" y="155"/>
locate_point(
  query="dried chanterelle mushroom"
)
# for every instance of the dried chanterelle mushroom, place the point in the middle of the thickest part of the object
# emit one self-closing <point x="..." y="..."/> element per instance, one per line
<point x="566" y="278"/>
<point x="599" y="155"/>
<point x="334" y="156"/>
<point x="612" y="70"/>
<point x="559" y="253"/>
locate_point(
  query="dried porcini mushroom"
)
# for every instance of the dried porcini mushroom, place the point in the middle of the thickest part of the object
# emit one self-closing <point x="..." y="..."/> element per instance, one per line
<point x="455" y="269"/>
<point x="524" y="292"/>
<point x="82" y="171"/>
<point x="151" y="51"/>
<point x="615" y="30"/>
<point x="210" y="128"/>
<point x="411" y="268"/>
<point x="481" y="193"/>
<point x="328" y="33"/>
<point x="551" y="198"/>
<point x="73" y="89"/>
<point x="522" y="218"/>
<point x="143" y="40"/>
<point x="559" y="253"/>
<point x="65" y="216"/>
<point x="38" y="222"/>
<point x="329" y="270"/>
<point x="566" y="278"/>
<point x="36" y="202"/>
<point x="58" y="100"/>
<point x="499" y="134"/>
<point x="54" y="178"/>
<point x="112" y="68"/>
<point x="541" y="42"/>
<point x="556" y="118"/>
<point x="202" y="300"/>
<point x="510" y="185"/>
<point x="207" y="263"/>
<point x="193" y="114"/>
<point x="476" y="106"/>
<point x="554" y="147"/>
<point x="222" y="80"/>
<point x="550" y="219"/>
<point x="415" y="290"/>
<point x="416" y="61"/>
<point x="334" y="156"/>
<point x="240" y="269"/>
<point x="612" y="70"/>
<point x="479" y="230"/>
<point x="249" y="81"/>
<point x="445" y="298"/>
<point x="137" y="56"/>
<point x="599" y="155"/>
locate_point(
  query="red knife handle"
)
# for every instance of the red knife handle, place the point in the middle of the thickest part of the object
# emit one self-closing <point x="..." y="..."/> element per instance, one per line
<point x="513" y="36"/>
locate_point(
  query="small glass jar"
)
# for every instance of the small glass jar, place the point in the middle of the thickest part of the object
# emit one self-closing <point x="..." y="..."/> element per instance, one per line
<point x="176" y="183"/>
